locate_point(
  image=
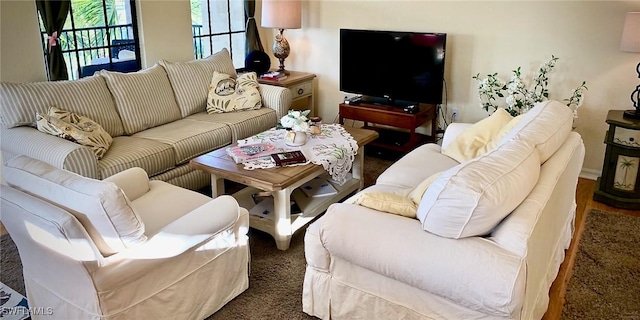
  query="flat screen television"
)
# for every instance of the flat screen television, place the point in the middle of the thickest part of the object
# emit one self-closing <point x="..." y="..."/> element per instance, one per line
<point x="392" y="67"/>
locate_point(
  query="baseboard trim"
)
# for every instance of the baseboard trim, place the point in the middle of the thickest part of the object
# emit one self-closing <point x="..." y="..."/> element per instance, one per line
<point x="591" y="174"/>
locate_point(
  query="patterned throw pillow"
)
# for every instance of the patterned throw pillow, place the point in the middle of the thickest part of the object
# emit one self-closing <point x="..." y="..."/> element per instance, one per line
<point x="227" y="94"/>
<point x="76" y="128"/>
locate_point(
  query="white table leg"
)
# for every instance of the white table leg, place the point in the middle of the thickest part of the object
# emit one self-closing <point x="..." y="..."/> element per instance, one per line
<point x="282" y="218"/>
<point x="357" y="169"/>
<point x="217" y="186"/>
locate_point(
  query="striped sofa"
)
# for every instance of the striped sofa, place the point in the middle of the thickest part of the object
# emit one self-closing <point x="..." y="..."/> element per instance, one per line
<point x="156" y="117"/>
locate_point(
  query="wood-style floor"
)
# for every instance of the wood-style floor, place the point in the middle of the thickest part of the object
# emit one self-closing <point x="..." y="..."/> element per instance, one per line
<point x="584" y="199"/>
<point x="585" y="202"/>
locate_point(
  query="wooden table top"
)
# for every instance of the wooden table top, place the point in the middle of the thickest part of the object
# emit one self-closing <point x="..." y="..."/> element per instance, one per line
<point x="219" y="163"/>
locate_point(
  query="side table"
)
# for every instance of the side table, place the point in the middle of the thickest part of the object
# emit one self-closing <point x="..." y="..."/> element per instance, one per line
<point x="619" y="185"/>
<point x="301" y="86"/>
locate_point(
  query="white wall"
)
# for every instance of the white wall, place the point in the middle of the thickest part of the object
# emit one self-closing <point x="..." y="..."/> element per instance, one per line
<point x="20" y="60"/>
<point x="486" y="37"/>
<point x="483" y="37"/>
<point x="165" y="31"/>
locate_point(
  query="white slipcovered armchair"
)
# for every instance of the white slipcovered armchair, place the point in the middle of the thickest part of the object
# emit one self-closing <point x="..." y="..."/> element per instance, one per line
<point x="124" y="247"/>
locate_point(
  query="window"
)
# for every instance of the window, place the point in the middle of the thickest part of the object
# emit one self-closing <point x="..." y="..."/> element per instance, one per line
<point x="98" y="34"/>
<point x="218" y="24"/>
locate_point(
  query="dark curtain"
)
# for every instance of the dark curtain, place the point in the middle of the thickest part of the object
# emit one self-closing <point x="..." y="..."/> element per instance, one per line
<point x="253" y="37"/>
<point x="54" y="13"/>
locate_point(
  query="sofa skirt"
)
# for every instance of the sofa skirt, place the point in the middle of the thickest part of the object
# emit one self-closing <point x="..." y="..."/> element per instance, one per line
<point x="353" y="292"/>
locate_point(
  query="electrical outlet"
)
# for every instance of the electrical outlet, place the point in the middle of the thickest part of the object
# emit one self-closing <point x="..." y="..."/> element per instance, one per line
<point x="454" y="114"/>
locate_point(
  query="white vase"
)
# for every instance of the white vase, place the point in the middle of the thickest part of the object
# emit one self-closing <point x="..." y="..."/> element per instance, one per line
<point x="295" y="138"/>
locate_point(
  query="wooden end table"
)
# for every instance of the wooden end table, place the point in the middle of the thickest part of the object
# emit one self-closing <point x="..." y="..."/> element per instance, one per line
<point x="282" y="183"/>
<point x="301" y="86"/>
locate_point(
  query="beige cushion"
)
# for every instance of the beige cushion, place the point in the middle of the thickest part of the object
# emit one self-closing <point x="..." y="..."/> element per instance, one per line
<point x="191" y="80"/>
<point x="227" y="94"/>
<point x="242" y="124"/>
<point x="127" y="152"/>
<point x="89" y="96"/>
<point x="100" y="206"/>
<point x="474" y="141"/>
<point x="189" y="138"/>
<point x="76" y="128"/>
<point x="471" y="198"/>
<point x="144" y="99"/>
<point x="547" y="125"/>
<point x="388" y="202"/>
<point x="403" y="202"/>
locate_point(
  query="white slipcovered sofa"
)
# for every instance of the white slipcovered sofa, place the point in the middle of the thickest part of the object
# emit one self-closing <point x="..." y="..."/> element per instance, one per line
<point x="123" y="247"/>
<point x="487" y="243"/>
<point x="156" y="117"/>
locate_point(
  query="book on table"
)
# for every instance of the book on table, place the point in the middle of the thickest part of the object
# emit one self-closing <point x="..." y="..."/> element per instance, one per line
<point x="288" y="158"/>
<point x="273" y="76"/>
<point x="248" y="152"/>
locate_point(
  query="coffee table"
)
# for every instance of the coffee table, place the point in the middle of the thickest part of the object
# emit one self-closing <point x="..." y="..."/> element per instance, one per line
<point x="282" y="183"/>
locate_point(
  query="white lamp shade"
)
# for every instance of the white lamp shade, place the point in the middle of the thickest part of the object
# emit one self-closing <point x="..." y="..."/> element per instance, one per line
<point x="282" y="14"/>
<point x="631" y="33"/>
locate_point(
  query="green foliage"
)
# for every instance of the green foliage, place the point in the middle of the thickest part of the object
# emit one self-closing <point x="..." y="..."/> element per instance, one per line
<point x="196" y="12"/>
<point x="90" y="13"/>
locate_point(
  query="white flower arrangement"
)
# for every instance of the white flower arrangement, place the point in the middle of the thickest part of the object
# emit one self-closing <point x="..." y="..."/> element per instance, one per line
<point x="518" y="98"/>
<point x="296" y="120"/>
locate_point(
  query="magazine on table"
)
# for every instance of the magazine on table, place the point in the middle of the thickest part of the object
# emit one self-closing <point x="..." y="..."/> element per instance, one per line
<point x="318" y="187"/>
<point x="248" y="152"/>
<point x="264" y="206"/>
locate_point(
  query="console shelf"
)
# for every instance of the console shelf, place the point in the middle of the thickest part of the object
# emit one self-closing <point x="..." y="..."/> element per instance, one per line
<point x="406" y="138"/>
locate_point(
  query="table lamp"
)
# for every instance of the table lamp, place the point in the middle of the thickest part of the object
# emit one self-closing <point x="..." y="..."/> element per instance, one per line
<point x="631" y="43"/>
<point x="281" y="14"/>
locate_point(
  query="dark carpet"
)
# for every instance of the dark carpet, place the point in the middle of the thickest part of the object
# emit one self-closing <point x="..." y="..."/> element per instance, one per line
<point x="606" y="275"/>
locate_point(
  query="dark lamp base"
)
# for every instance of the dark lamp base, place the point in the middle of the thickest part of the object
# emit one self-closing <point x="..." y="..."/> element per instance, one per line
<point x="632" y="114"/>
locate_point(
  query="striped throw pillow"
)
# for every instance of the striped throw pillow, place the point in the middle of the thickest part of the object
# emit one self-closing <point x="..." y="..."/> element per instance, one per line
<point x="88" y="96"/>
<point x="144" y="99"/>
<point x="190" y="80"/>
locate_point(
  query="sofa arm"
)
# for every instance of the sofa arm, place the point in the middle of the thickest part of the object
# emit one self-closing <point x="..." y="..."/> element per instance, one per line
<point x="315" y="253"/>
<point x="276" y="98"/>
<point x="134" y="182"/>
<point x="55" y="151"/>
<point x="453" y="130"/>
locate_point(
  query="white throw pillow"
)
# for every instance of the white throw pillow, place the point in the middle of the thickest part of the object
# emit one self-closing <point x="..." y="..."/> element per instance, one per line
<point x="547" y="125"/>
<point x="471" y="198"/>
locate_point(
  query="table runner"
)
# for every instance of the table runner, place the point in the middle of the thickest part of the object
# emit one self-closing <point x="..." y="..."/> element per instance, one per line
<point x="334" y="149"/>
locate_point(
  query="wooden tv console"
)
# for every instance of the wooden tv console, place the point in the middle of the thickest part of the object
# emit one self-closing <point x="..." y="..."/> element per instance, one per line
<point x="403" y="140"/>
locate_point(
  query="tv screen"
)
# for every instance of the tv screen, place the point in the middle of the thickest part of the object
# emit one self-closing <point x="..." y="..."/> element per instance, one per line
<point x="401" y="67"/>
